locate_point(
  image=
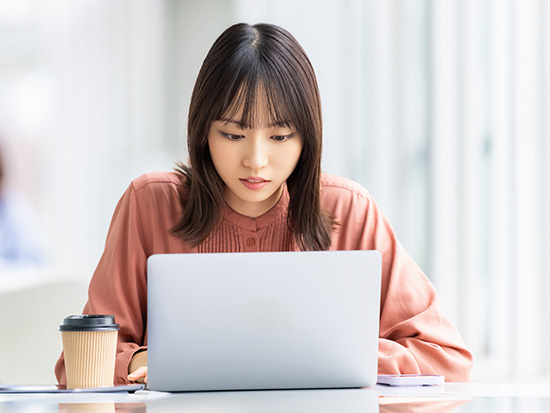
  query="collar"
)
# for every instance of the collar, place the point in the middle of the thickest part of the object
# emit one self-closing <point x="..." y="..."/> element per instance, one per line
<point x="278" y="211"/>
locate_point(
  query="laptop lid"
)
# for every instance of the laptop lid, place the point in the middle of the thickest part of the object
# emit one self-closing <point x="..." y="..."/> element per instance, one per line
<point x="273" y="320"/>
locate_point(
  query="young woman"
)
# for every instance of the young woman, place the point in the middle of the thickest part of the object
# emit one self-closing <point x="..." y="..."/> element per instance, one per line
<point x="254" y="183"/>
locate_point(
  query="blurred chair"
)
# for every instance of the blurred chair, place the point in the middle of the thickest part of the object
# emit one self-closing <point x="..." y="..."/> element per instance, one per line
<point x="31" y="311"/>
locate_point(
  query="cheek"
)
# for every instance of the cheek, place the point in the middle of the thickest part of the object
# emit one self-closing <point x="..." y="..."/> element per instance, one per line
<point x="292" y="156"/>
<point x="216" y="159"/>
<point x="223" y="157"/>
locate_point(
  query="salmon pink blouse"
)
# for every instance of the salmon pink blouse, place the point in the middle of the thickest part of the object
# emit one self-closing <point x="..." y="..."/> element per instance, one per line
<point x="415" y="336"/>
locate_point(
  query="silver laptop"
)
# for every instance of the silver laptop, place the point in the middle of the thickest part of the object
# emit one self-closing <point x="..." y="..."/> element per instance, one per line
<point x="274" y="320"/>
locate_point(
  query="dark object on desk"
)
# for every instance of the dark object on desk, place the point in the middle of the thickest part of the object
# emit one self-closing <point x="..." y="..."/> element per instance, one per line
<point x="89" y="322"/>
<point x="61" y="389"/>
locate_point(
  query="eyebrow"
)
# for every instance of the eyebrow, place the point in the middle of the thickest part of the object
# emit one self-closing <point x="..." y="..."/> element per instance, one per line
<point x="270" y="125"/>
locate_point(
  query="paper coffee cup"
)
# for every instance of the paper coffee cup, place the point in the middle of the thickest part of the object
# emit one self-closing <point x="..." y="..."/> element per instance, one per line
<point x="89" y="347"/>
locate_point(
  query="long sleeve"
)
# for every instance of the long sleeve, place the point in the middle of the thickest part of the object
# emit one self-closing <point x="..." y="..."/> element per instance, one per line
<point x="119" y="285"/>
<point x="415" y="335"/>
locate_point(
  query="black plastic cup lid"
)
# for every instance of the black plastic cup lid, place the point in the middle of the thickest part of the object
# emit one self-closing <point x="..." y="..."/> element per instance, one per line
<point x="89" y="322"/>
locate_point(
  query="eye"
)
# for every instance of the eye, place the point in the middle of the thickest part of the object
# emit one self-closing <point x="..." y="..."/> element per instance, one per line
<point x="232" y="137"/>
<point x="281" y="138"/>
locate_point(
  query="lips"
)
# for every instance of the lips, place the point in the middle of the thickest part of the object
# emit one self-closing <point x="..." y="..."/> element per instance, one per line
<point x="254" y="179"/>
<point x="254" y="182"/>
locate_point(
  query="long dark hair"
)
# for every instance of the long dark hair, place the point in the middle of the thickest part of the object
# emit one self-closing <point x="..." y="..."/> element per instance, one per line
<point x="244" y="61"/>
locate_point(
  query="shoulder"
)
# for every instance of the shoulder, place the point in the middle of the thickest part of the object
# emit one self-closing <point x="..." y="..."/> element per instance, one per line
<point x="158" y="181"/>
<point x="338" y="187"/>
<point x="154" y="192"/>
<point x="155" y="197"/>
<point x="344" y="199"/>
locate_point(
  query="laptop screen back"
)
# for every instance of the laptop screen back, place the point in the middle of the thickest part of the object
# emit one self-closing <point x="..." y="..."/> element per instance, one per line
<point x="275" y="320"/>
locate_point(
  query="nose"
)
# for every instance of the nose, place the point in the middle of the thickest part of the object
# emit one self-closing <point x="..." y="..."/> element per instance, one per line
<point x="256" y="154"/>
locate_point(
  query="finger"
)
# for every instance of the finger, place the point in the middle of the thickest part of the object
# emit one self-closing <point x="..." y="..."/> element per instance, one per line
<point x="133" y="379"/>
<point x="139" y="375"/>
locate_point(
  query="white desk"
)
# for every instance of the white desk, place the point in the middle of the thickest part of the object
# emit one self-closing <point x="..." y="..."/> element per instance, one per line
<point x="453" y="397"/>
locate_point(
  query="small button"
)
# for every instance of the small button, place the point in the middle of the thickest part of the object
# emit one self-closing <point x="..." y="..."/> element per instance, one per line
<point x="121" y="380"/>
<point x="250" y="242"/>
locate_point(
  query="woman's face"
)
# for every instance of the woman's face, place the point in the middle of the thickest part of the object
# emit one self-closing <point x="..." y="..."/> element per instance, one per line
<point x="253" y="163"/>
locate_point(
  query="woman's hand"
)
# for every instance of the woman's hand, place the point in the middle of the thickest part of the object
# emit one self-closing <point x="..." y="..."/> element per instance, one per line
<point x="138" y="368"/>
<point x="138" y="376"/>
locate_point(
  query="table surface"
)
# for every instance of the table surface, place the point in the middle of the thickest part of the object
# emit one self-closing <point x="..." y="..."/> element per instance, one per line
<point x="452" y="397"/>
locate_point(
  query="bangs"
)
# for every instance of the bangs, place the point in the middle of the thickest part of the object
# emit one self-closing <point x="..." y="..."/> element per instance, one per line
<point x="262" y="101"/>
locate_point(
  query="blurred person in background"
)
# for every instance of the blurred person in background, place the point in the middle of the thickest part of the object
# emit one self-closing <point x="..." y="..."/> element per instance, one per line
<point x="20" y="241"/>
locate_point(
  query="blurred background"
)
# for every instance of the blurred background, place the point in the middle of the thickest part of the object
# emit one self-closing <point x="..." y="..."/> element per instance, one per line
<point x="440" y="108"/>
